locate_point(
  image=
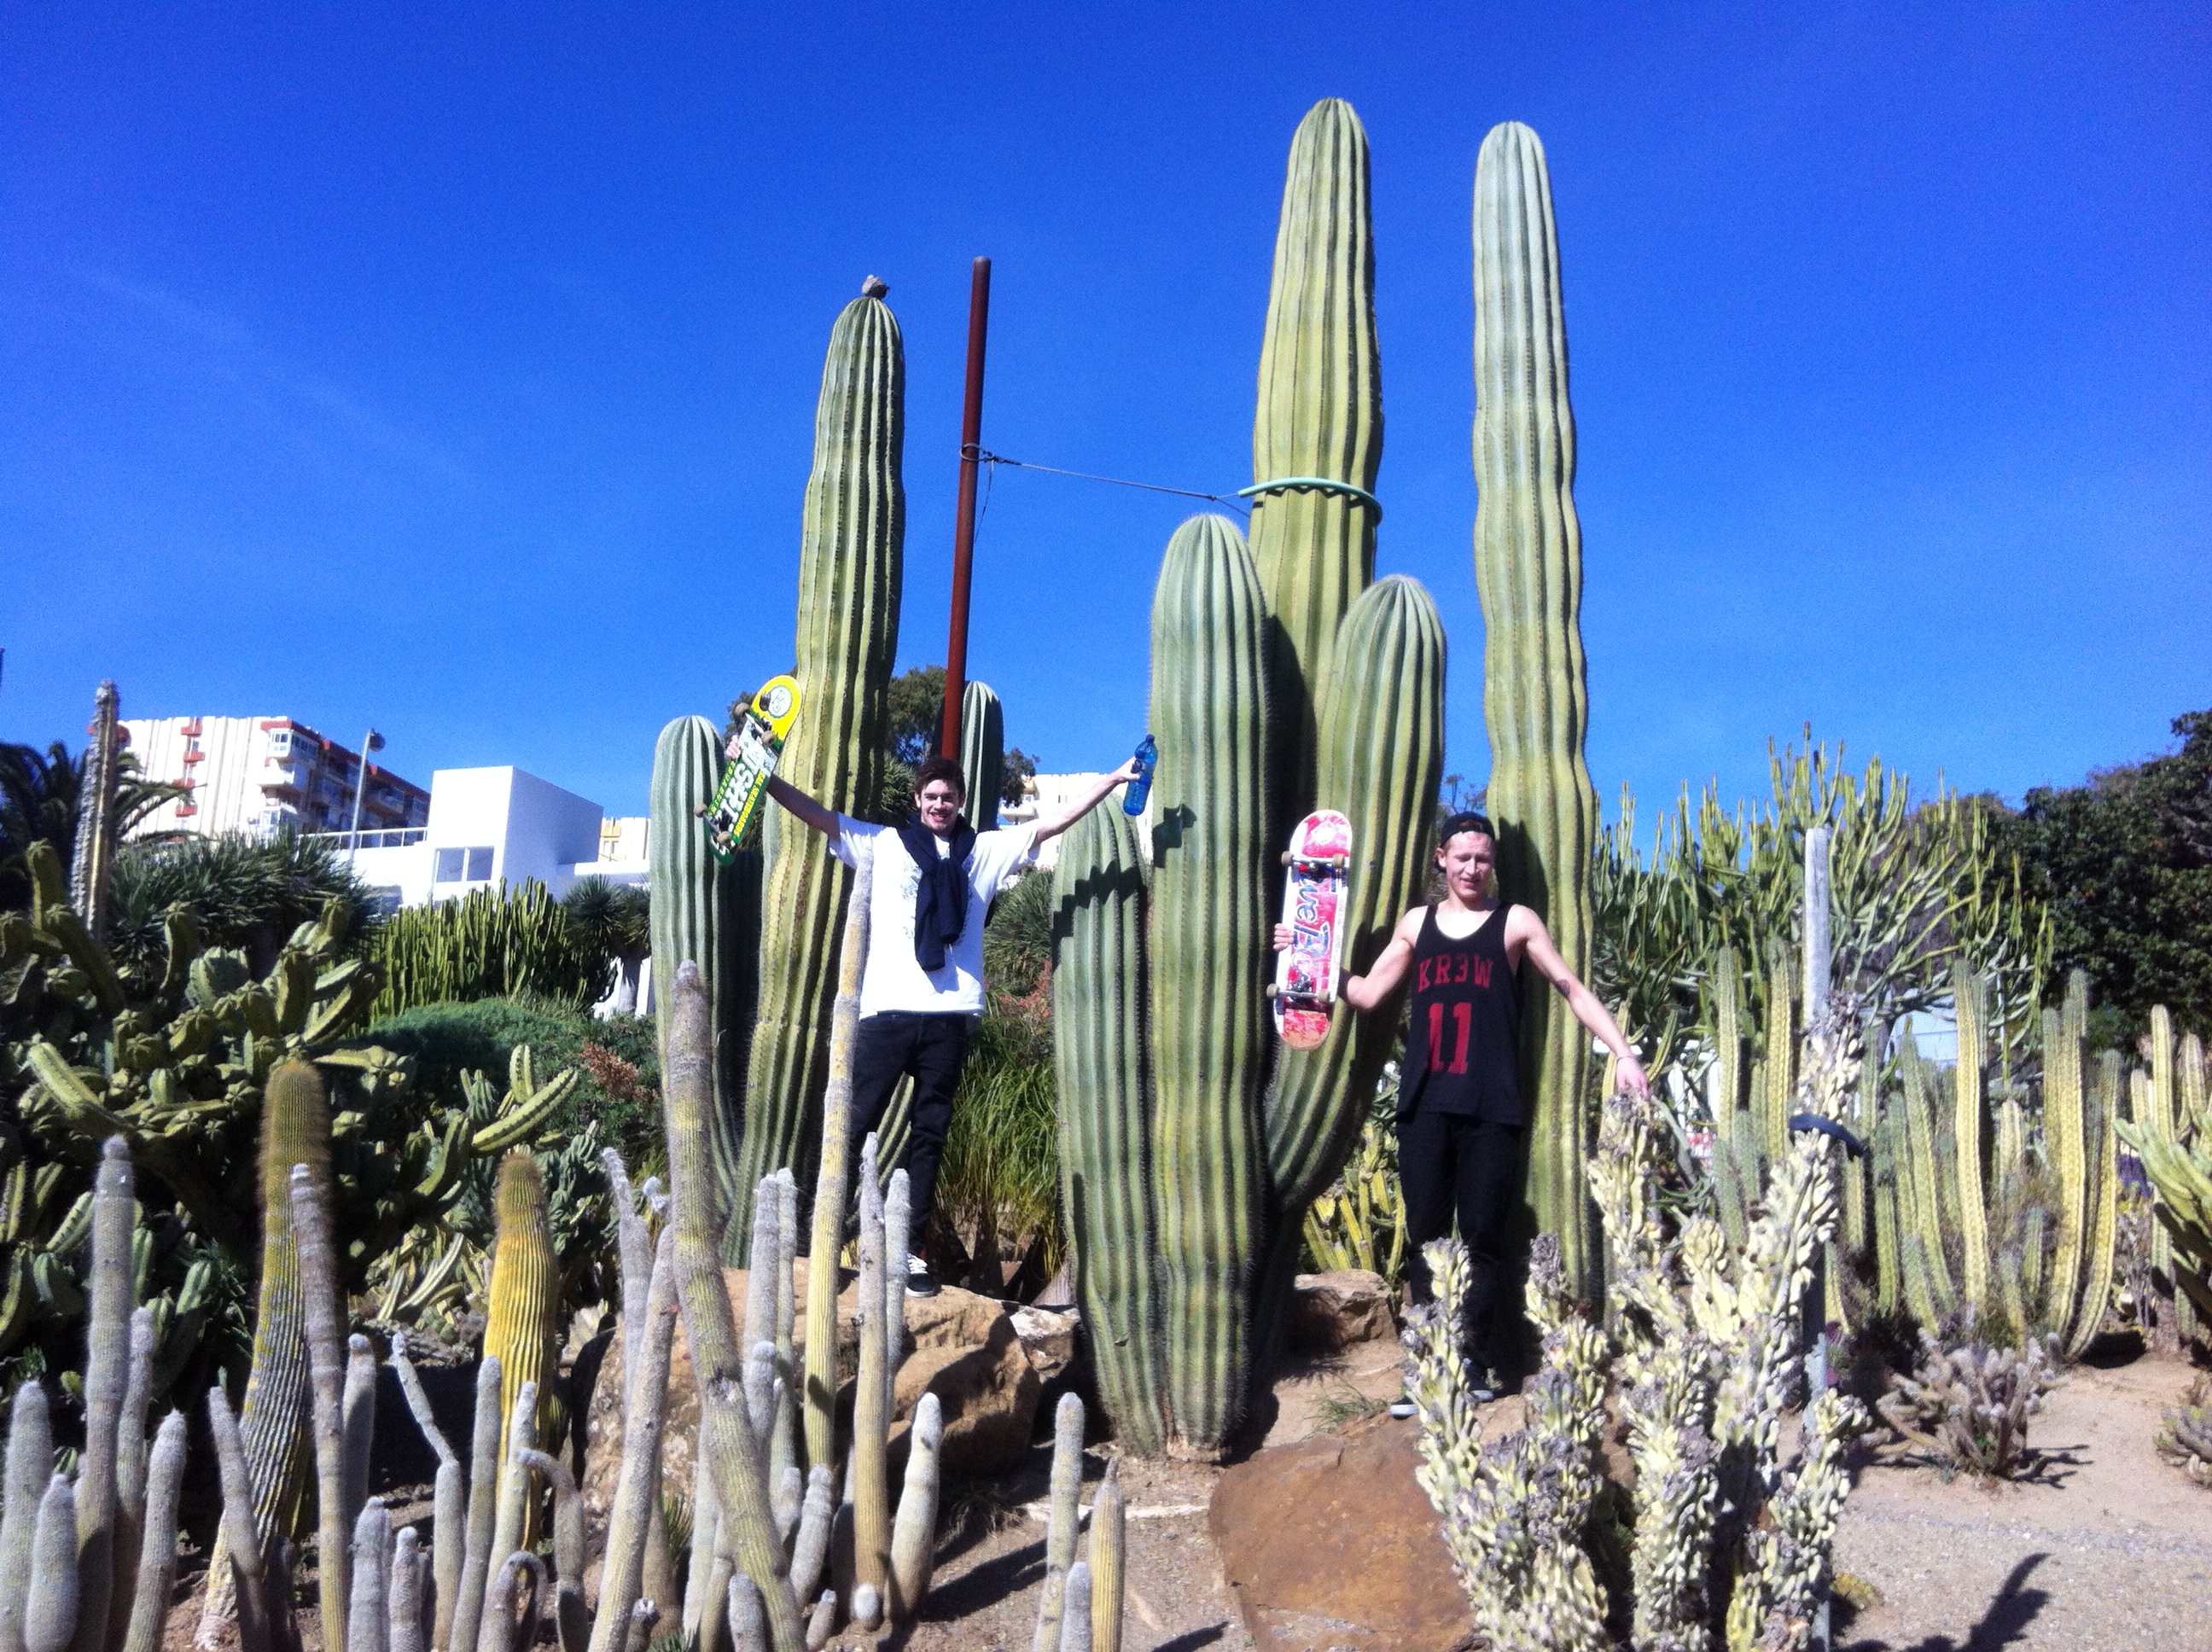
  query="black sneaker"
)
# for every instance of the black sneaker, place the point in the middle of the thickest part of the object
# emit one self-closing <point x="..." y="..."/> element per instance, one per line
<point x="918" y="1282"/>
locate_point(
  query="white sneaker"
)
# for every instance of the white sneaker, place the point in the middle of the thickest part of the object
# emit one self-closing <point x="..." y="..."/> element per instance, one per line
<point x="918" y="1280"/>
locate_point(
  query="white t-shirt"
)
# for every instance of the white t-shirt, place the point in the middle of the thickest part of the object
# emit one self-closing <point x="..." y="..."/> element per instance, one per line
<point x="893" y="980"/>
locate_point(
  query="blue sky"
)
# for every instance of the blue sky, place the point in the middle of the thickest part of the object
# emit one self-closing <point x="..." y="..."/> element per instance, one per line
<point x="455" y="370"/>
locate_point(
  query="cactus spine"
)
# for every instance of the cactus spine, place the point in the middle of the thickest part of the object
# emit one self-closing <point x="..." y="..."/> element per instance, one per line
<point x="1382" y="759"/>
<point x="1209" y="924"/>
<point x="519" y="1330"/>
<point x="1528" y="566"/>
<point x="983" y="753"/>
<point x="849" y="563"/>
<point x="1319" y="414"/>
<point x="709" y="914"/>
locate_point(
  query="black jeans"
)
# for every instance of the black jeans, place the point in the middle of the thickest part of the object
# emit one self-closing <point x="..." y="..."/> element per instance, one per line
<point x="1451" y="1165"/>
<point x="930" y="1047"/>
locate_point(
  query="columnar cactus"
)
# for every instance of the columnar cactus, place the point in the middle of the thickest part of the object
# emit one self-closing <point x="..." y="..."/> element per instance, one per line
<point x="850" y="568"/>
<point x="1527" y="567"/>
<point x="295" y="1129"/>
<point x="1210" y="1034"/>
<point x="983" y="753"/>
<point x="709" y="913"/>
<point x="1319" y="420"/>
<point x="520" y="1327"/>
<point x="91" y="863"/>
<point x="1382" y="759"/>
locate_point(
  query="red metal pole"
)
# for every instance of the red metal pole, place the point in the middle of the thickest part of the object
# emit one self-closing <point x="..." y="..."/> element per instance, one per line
<point x="963" y="522"/>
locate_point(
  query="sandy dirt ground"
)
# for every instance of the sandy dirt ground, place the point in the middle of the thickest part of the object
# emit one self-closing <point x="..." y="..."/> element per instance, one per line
<point x="2104" y="1549"/>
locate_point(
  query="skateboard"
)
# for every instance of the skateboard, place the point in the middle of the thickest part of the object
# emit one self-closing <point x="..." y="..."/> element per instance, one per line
<point x="1304" y="989"/>
<point x="752" y="752"/>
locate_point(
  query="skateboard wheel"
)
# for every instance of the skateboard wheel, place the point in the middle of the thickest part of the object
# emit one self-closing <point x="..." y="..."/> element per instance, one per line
<point x="700" y="810"/>
<point x="1289" y="860"/>
<point x="1273" y="989"/>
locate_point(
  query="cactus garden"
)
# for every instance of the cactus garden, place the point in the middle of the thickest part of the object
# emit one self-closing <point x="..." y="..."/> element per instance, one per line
<point x="362" y="1290"/>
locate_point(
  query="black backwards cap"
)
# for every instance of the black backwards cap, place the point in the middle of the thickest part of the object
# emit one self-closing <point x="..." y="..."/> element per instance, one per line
<point x="1465" y="821"/>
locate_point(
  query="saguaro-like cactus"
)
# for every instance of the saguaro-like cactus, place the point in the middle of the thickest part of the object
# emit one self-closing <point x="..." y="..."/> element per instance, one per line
<point x="1210" y="962"/>
<point x="849" y="561"/>
<point x="295" y="1129"/>
<point x="710" y="914"/>
<point x="1317" y="434"/>
<point x="1381" y="758"/>
<point x="520" y="1331"/>
<point x="983" y="753"/>
<point x="1527" y="567"/>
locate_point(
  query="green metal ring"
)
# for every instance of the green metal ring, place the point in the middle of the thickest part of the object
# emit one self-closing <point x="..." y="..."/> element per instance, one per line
<point x="1326" y="484"/>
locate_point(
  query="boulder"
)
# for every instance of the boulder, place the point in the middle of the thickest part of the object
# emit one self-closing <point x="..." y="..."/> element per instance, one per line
<point x="958" y="1345"/>
<point x="1362" y="1567"/>
<point x="1336" y="1310"/>
<point x="1049" y="1337"/>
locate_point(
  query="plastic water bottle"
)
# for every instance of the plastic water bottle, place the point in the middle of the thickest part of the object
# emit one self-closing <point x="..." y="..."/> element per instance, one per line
<point x="1139" y="791"/>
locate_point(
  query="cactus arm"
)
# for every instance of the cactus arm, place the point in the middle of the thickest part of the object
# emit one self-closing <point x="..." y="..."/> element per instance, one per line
<point x="1968" y="1110"/>
<point x="1062" y="1519"/>
<point x="1102" y="1092"/>
<point x="131" y="1447"/>
<point x="404" y="1631"/>
<point x="2102" y="1154"/>
<point x="821" y="1623"/>
<point x="871" y="1493"/>
<point x="647" y="1344"/>
<point x="2065" y="1136"/>
<point x="50" y="1607"/>
<point x="368" y="1617"/>
<point x="1318" y="413"/>
<point x="809" y="1549"/>
<point x="295" y="1129"/>
<point x="519" y="1329"/>
<point x="570" y="1619"/>
<point x="106" y="1375"/>
<point x="1381" y="762"/>
<point x="1527" y="565"/>
<point x="913" y="1536"/>
<point x="521" y="1121"/>
<point x="240" y="1543"/>
<point x="30" y="1465"/>
<point x="1108" y="1560"/>
<point x="898" y="1222"/>
<point x="357" y="1416"/>
<point x="326" y="1383"/>
<point x="737" y="1459"/>
<point x="983" y="753"/>
<point x="821" y="1391"/>
<point x="465" y="1613"/>
<point x="515" y="1501"/>
<point x="1210" y="1041"/>
<point x="504" y="1632"/>
<point x="850" y="566"/>
<point x="1075" y="1633"/>
<point x="157" y="1564"/>
<point x="748" y="1616"/>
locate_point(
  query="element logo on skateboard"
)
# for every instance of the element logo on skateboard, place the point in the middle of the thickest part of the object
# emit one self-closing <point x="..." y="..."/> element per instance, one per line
<point x="752" y="751"/>
<point x="1304" y="991"/>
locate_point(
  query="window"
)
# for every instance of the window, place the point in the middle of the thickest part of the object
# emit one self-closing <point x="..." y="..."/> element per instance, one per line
<point x="280" y="743"/>
<point x="386" y="899"/>
<point x="461" y="865"/>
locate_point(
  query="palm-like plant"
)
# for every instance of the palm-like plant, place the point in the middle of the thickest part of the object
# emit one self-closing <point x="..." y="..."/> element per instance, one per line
<point x="39" y="795"/>
<point x="615" y="919"/>
<point x="242" y="893"/>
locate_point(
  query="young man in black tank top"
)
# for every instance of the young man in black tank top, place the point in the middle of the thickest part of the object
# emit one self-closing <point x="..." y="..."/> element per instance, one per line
<point x="1459" y="1113"/>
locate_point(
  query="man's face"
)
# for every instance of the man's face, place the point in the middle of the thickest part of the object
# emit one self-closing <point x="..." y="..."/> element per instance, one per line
<point x="1468" y="860"/>
<point x="939" y="805"/>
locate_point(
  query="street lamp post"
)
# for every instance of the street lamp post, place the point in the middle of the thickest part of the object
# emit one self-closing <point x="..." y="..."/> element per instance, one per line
<point x="374" y="742"/>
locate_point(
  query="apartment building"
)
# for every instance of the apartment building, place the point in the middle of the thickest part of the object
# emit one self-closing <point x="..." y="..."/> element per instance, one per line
<point x="260" y="775"/>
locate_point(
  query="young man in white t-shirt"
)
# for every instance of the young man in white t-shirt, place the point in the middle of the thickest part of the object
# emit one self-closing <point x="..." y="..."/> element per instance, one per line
<point x="922" y="988"/>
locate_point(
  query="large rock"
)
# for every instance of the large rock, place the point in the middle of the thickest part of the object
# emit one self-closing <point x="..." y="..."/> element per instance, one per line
<point x="959" y="1345"/>
<point x="1339" y="1309"/>
<point x="1362" y="1566"/>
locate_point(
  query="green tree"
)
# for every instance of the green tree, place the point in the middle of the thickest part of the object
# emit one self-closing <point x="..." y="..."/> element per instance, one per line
<point x="2125" y="861"/>
<point x="615" y="919"/>
<point x="38" y="793"/>
<point x="242" y="893"/>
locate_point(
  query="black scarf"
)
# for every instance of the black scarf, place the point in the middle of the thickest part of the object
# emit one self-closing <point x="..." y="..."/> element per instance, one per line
<point x="940" y="901"/>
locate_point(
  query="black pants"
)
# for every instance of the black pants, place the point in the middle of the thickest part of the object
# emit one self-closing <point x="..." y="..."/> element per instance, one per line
<point x="930" y="1047"/>
<point x="1451" y="1165"/>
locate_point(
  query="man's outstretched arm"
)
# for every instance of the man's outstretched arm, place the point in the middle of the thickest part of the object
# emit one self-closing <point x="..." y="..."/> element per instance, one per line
<point x="1584" y="1003"/>
<point x="796" y="801"/>
<point x="1060" y="822"/>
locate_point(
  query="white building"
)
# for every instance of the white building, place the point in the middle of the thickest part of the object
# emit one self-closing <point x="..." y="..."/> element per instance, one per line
<point x="259" y="775"/>
<point x="492" y="826"/>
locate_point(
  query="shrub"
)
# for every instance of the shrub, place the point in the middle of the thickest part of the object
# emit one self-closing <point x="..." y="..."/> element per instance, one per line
<point x="493" y="944"/>
<point x="1966" y="1409"/>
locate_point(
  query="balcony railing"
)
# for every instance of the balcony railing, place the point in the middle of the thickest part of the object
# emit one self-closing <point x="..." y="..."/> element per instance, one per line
<point x="398" y="837"/>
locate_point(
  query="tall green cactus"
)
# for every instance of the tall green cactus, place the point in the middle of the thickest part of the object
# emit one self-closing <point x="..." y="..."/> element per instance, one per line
<point x="850" y="555"/>
<point x="709" y="914"/>
<point x="1382" y="759"/>
<point x="1210" y="1038"/>
<point x="295" y="1129"/>
<point x="983" y="753"/>
<point x="1319" y="420"/>
<point x="1101" y="991"/>
<point x="1527" y="567"/>
<point x="520" y="1328"/>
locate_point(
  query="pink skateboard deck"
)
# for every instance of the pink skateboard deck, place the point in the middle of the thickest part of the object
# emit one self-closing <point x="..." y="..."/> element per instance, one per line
<point x="1304" y="990"/>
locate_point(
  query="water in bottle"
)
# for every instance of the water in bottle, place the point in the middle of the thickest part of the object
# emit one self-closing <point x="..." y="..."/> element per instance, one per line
<point x="1139" y="790"/>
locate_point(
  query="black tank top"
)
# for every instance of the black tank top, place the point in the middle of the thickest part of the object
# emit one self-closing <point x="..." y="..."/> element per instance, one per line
<point x="1462" y="1051"/>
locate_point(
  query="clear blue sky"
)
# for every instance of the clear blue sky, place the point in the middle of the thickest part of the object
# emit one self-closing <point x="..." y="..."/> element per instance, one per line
<point x="456" y="373"/>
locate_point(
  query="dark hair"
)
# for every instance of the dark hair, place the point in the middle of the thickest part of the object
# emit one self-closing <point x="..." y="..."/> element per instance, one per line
<point x="1465" y="821"/>
<point x="941" y="768"/>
